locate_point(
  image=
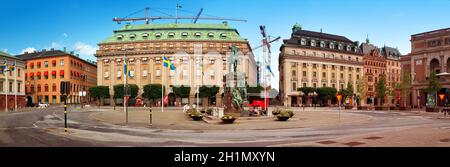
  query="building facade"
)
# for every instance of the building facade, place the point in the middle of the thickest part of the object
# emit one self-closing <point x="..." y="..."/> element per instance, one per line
<point x="45" y="70"/>
<point x="12" y="83"/>
<point x="430" y="53"/>
<point x="199" y="52"/>
<point x="316" y="59"/>
<point x="380" y="62"/>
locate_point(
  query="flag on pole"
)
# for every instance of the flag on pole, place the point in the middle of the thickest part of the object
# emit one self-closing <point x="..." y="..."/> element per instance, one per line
<point x="12" y="67"/>
<point x="270" y="70"/>
<point x="125" y="67"/>
<point x="167" y="63"/>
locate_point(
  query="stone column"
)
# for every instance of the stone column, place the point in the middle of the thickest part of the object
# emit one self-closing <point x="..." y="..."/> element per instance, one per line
<point x="112" y="80"/>
<point x="329" y="75"/>
<point x="309" y="74"/>
<point x="320" y="75"/>
<point x="152" y="69"/>
<point x="138" y="75"/>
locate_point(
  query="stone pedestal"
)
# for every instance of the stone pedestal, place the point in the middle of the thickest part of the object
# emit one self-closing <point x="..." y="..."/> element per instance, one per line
<point x="232" y="82"/>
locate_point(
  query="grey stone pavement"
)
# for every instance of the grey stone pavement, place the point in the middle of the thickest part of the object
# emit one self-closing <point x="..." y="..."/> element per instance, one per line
<point x="318" y="127"/>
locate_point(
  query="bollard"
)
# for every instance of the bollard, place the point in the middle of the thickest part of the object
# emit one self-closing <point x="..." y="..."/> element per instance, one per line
<point x="151" y="119"/>
<point x="65" y="115"/>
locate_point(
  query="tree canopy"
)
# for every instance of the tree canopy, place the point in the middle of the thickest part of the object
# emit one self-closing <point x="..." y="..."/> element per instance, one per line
<point x="433" y="84"/>
<point x="182" y="91"/>
<point x="119" y="93"/>
<point x="152" y="91"/>
<point x="99" y="91"/>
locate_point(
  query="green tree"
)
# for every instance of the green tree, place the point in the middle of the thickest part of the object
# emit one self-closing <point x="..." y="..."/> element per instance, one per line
<point x="405" y="86"/>
<point x="257" y="89"/>
<point x="119" y="93"/>
<point x="208" y="91"/>
<point x="381" y="88"/>
<point x="362" y="89"/>
<point x="434" y="86"/>
<point x="326" y="93"/>
<point x="307" y="90"/>
<point x="153" y="91"/>
<point x="182" y="91"/>
<point x="99" y="92"/>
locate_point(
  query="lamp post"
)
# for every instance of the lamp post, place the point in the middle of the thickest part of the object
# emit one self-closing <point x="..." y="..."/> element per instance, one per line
<point x="301" y="97"/>
<point x="315" y="99"/>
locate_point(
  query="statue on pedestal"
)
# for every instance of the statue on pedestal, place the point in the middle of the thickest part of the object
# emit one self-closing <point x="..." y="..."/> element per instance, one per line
<point x="235" y="90"/>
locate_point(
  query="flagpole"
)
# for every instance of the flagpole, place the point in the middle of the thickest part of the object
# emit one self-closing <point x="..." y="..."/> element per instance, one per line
<point x="7" y="85"/>
<point x="162" y="86"/>
<point x="17" y="87"/>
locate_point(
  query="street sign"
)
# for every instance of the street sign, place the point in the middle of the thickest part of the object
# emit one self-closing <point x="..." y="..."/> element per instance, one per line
<point x="339" y="97"/>
<point x="441" y="96"/>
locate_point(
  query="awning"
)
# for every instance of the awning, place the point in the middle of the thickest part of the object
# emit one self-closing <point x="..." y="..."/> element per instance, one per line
<point x="38" y="63"/>
<point x="31" y="74"/>
<point x="53" y="61"/>
<point x="61" y="72"/>
<point x="45" y="73"/>
<point x="38" y="73"/>
<point x="53" y="72"/>
<point x="31" y="64"/>
<point x="25" y="75"/>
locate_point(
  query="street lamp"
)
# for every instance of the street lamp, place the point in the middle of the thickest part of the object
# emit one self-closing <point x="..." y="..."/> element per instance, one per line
<point x="315" y="99"/>
<point x="301" y="97"/>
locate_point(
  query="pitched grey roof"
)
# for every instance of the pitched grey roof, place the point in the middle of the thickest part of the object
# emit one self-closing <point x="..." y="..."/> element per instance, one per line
<point x="322" y="36"/>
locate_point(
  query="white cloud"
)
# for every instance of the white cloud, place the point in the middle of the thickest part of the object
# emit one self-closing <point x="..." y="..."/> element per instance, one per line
<point x="85" y="49"/>
<point x="29" y="50"/>
<point x="55" y="45"/>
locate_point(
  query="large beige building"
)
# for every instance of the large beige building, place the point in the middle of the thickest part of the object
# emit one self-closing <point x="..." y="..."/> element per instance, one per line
<point x="199" y="52"/>
<point x="316" y="59"/>
<point x="12" y="82"/>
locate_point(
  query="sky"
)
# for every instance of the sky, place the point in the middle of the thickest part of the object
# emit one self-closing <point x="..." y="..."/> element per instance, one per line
<point x="79" y="25"/>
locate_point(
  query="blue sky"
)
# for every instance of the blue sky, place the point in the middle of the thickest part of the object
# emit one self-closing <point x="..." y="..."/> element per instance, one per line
<point x="81" y="24"/>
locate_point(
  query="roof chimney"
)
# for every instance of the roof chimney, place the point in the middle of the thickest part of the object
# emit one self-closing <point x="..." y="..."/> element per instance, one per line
<point x="65" y="49"/>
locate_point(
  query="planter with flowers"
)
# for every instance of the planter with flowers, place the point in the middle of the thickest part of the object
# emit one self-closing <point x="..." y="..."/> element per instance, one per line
<point x="228" y="119"/>
<point x="284" y="115"/>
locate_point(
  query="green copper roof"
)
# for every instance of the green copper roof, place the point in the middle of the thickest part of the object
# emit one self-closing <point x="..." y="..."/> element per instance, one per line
<point x="172" y="32"/>
<point x="3" y="54"/>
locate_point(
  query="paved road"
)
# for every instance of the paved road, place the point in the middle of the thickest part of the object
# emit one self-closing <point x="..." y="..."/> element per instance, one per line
<point x="44" y="128"/>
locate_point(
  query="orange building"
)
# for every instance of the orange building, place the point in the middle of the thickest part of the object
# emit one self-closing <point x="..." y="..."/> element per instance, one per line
<point x="45" y="71"/>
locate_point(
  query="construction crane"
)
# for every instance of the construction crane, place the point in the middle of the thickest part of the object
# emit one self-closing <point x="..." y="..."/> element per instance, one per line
<point x="271" y="41"/>
<point x="198" y="15"/>
<point x="148" y="18"/>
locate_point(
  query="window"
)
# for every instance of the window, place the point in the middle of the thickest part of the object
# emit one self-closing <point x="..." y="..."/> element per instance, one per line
<point x="342" y="75"/>
<point x="293" y="52"/>
<point x="61" y="62"/>
<point x="10" y="87"/>
<point x="294" y="86"/>
<point x="39" y="65"/>
<point x="315" y="85"/>
<point x="331" y="45"/>
<point x="18" y="87"/>
<point x="223" y="35"/>
<point x="357" y="59"/>
<point x="357" y="77"/>
<point x="119" y="37"/>
<point x="324" y="67"/>
<point x="46" y="88"/>
<point x="322" y="44"/>
<point x="340" y="47"/>
<point x="119" y="74"/>
<point x="349" y="58"/>
<point x="334" y="85"/>
<point x="324" y="75"/>
<point x="313" y="43"/>
<point x="304" y="65"/>
<point x="303" y="41"/>
<point x="145" y="35"/>
<point x="158" y="35"/>
<point x="144" y="73"/>
<point x="314" y="74"/>
<point x="18" y="72"/>
<point x="342" y="86"/>
<point x="324" y="85"/>
<point x="349" y="76"/>
<point x="304" y="85"/>
<point x="184" y="34"/>
<point x="332" y="67"/>
<point x="39" y="88"/>
<point x="171" y="34"/>
<point x="294" y="73"/>
<point x="314" y="66"/>
<point x="349" y="48"/>
<point x="1" y="86"/>
<point x="53" y="99"/>
<point x="333" y="75"/>
<point x="304" y="73"/>
<point x="211" y="34"/>
<point x="54" y="88"/>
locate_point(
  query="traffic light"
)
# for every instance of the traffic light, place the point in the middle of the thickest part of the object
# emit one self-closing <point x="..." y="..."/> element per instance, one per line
<point x="65" y="88"/>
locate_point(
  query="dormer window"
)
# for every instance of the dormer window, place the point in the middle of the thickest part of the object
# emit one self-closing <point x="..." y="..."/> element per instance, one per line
<point x="331" y="45"/>
<point x="340" y="46"/>
<point x="119" y="37"/>
<point x="158" y="35"/>
<point x="313" y="43"/>
<point x="223" y="35"/>
<point x="144" y="35"/>
<point x="171" y="34"/>
<point x="349" y="48"/>
<point x="184" y="34"/>
<point x="132" y="36"/>
<point x="303" y="41"/>
<point x="322" y="44"/>
<point x="198" y="34"/>
<point x="211" y="34"/>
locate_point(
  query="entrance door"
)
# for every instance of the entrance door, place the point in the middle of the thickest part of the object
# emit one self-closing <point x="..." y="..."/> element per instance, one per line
<point x="294" y="101"/>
